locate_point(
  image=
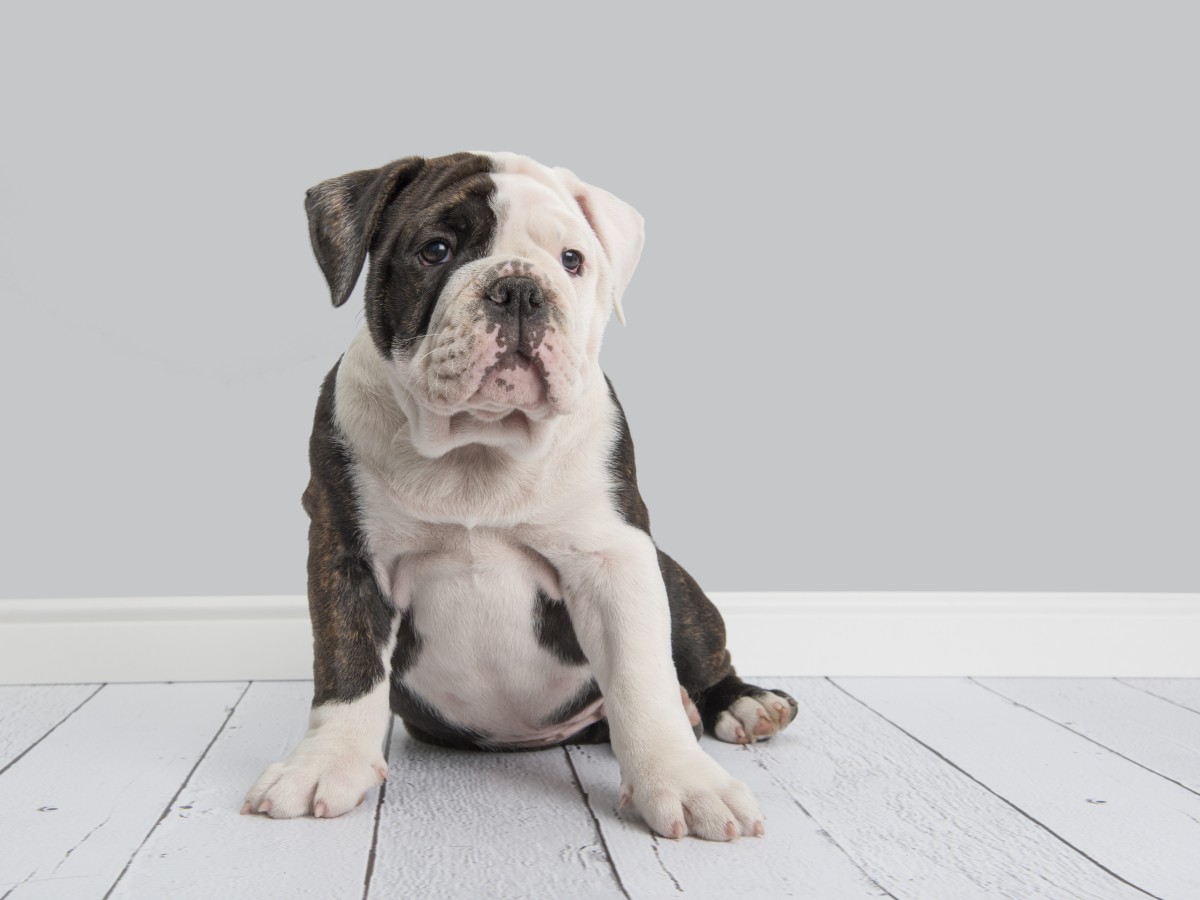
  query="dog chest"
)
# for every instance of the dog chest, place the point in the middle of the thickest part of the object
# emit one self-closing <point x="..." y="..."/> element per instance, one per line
<point x="485" y="644"/>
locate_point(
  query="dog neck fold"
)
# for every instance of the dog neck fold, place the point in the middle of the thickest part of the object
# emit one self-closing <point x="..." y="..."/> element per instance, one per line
<point x="435" y="434"/>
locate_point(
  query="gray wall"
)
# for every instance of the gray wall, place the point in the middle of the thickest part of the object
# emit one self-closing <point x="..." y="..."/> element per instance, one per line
<point x="918" y="308"/>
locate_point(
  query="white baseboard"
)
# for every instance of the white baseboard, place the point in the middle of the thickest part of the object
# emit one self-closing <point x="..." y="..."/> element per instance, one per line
<point x="235" y="638"/>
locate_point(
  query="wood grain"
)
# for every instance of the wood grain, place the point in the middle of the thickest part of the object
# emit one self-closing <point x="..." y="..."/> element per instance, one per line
<point x="498" y="825"/>
<point x="966" y="795"/>
<point x="794" y="859"/>
<point x="204" y="849"/>
<point x="77" y="807"/>
<point x="1183" y="692"/>
<point x="917" y="826"/>
<point x="28" y="712"/>
<point x="1143" y="828"/>
<point x="1149" y="730"/>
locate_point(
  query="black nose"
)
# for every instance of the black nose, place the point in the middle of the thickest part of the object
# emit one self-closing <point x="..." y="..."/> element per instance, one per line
<point x="520" y="293"/>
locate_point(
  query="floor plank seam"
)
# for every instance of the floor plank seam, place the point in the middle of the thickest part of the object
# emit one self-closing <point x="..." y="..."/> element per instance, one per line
<point x="1092" y="740"/>
<point x="17" y="884"/>
<point x="1138" y="687"/>
<point x="822" y="830"/>
<point x="587" y="802"/>
<point x="182" y="787"/>
<point x="387" y="757"/>
<point x="83" y="840"/>
<point x="1000" y="797"/>
<point x="51" y="731"/>
<point x="60" y="684"/>
<point x="662" y="865"/>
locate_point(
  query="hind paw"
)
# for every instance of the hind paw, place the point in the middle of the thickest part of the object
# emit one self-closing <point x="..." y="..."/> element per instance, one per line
<point x="755" y="717"/>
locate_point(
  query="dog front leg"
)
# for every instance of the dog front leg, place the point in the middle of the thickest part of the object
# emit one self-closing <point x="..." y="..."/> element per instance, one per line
<point x="340" y="758"/>
<point x="618" y="606"/>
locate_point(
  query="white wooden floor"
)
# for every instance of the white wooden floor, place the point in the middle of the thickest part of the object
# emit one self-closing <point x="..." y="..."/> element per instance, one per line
<point x="921" y="788"/>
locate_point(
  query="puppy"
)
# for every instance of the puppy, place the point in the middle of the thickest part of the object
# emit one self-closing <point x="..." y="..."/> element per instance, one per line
<point x="480" y="560"/>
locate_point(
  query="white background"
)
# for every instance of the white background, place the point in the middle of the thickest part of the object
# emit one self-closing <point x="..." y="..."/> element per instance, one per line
<point x="918" y="308"/>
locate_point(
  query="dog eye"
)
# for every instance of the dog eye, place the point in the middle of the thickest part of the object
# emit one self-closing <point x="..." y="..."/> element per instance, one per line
<point x="572" y="260"/>
<point x="435" y="252"/>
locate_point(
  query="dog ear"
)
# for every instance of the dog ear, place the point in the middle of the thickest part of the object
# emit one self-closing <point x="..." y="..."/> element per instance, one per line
<point x="343" y="214"/>
<point x="619" y="226"/>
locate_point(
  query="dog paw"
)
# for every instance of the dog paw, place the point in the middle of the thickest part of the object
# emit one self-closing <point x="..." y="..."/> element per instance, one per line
<point x="755" y="717"/>
<point x="692" y="794"/>
<point x="314" y="782"/>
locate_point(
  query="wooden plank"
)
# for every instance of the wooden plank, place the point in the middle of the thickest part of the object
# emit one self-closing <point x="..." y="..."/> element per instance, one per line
<point x="1183" y="692"/>
<point x="1136" y="824"/>
<point x="917" y="826"/>
<point x="28" y="712"/>
<point x="467" y="824"/>
<point x="81" y="802"/>
<point x="1149" y="730"/>
<point x="794" y="859"/>
<point x="205" y="849"/>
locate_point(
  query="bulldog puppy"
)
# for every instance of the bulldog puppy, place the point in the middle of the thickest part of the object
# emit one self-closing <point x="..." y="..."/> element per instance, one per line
<point x="480" y="559"/>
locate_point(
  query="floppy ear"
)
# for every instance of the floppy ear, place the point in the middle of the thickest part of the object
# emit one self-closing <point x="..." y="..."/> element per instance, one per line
<point x="343" y="214"/>
<point x="619" y="226"/>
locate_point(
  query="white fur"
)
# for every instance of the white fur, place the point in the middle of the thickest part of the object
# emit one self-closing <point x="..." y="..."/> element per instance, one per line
<point x="339" y="759"/>
<point x="471" y="595"/>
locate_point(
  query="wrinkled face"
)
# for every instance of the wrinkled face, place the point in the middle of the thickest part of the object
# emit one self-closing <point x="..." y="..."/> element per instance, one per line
<point x="498" y="289"/>
<point x="492" y="277"/>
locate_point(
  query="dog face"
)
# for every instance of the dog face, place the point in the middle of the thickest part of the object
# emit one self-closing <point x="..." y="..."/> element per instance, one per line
<point x="491" y="279"/>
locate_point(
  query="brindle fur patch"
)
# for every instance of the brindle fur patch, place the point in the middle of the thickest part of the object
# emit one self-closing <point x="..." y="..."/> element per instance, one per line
<point x="351" y="617"/>
<point x="392" y="212"/>
<point x="448" y="200"/>
<point x="343" y="214"/>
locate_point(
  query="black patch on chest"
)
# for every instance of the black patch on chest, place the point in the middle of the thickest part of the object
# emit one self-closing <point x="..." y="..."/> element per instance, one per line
<point x="420" y="717"/>
<point x="426" y="725"/>
<point x="554" y="631"/>
<point x="408" y="646"/>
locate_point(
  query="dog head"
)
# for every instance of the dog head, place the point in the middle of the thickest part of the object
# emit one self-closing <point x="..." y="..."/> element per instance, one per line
<point x="491" y="277"/>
